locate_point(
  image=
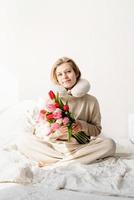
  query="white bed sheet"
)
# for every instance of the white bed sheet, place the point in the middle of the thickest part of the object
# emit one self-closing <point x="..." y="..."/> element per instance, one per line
<point x="40" y="191"/>
<point x="21" y="179"/>
<point x="18" y="192"/>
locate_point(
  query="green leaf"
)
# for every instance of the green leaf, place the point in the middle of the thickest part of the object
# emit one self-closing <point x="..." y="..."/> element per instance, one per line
<point x="57" y="97"/>
<point x="78" y="139"/>
<point x="61" y="103"/>
<point x="84" y="135"/>
<point x="81" y="137"/>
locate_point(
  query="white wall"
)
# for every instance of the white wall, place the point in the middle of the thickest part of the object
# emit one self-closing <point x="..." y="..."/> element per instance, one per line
<point x="97" y="34"/>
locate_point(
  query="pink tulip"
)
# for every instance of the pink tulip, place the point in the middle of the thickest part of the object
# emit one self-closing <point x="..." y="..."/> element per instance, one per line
<point x="55" y="126"/>
<point x="65" y="120"/>
<point x="57" y="115"/>
<point x="41" y="115"/>
<point x="51" y="107"/>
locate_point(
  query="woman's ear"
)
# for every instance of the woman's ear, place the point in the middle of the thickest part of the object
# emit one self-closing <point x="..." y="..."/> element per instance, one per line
<point x="77" y="75"/>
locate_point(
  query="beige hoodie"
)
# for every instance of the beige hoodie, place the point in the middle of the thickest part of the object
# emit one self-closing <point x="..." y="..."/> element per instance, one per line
<point x="85" y="107"/>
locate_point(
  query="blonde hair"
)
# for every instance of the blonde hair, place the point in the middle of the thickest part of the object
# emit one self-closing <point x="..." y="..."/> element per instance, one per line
<point x="61" y="61"/>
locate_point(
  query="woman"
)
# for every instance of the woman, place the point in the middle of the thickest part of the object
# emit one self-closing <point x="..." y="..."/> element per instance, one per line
<point x="66" y="75"/>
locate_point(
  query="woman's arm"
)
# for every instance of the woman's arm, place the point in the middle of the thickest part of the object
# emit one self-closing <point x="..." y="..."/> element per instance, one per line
<point x="92" y="128"/>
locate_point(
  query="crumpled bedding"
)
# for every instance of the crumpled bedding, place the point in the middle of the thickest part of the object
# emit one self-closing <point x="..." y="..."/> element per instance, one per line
<point x="111" y="176"/>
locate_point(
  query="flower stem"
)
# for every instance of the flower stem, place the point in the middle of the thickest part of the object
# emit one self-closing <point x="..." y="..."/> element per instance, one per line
<point x="69" y="132"/>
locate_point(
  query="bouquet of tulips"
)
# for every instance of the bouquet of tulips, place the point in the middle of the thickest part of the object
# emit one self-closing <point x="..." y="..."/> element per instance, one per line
<point x="57" y="114"/>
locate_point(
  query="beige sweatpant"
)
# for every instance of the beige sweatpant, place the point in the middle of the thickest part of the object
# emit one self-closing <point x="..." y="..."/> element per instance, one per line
<point x="65" y="152"/>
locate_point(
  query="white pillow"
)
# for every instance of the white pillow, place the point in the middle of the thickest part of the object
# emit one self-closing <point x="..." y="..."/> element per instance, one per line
<point x="131" y="127"/>
<point x="13" y="121"/>
<point x="8" y="88"/>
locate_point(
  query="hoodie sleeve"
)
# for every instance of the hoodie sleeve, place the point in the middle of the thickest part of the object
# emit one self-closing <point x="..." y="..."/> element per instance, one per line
<point x="93" y="127"/>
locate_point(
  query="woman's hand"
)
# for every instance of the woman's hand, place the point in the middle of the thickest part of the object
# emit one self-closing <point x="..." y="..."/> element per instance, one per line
<point x="64" y="130"/>
<point x="76" y="128"/>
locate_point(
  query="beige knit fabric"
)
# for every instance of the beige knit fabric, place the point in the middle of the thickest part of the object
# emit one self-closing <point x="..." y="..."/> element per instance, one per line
<point x="66" y="152"/>
<point x="87" y="112"/>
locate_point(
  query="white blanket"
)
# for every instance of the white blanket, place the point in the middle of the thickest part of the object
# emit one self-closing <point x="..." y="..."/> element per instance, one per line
<point x="113" y="176"/>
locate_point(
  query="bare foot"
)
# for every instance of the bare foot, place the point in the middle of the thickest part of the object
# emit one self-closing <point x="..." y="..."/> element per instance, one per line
<point x="42" y="164"/>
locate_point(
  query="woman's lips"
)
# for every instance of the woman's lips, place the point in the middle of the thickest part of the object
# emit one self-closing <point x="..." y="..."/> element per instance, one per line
<point x="67" y="81"/>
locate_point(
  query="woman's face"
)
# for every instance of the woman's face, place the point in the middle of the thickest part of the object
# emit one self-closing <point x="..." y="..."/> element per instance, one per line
<point x="66" y="75"/>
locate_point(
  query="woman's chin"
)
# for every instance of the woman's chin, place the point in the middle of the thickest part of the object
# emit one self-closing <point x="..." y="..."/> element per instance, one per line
<point x="68" y="87"/>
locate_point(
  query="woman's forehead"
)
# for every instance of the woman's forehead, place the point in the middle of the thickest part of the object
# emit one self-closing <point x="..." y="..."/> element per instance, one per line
<point x="62" y="67"/>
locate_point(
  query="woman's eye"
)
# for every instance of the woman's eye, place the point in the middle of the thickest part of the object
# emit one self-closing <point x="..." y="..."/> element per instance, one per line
<point x="59" y="74"/>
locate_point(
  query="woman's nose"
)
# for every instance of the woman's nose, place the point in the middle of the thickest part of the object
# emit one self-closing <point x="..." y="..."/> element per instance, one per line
<point x="64" y="75"/>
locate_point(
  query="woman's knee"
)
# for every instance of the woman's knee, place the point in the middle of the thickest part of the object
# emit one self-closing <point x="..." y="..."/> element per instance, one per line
<point x="110" y="145"/>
